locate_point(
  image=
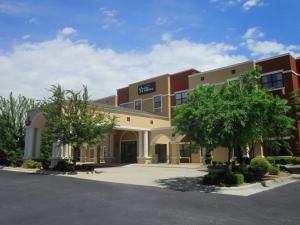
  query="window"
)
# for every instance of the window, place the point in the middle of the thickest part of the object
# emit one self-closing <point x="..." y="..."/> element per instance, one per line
<point x="157" y="102"/>
<point x="124" y="105"/>
<point x="92" y="152"/>
<point x="106" y="152"/>
<point x="181" y="98"/>
<point x="185" y="150"/>
<point x="138" y="104"/>
<point x="272" y="81"/>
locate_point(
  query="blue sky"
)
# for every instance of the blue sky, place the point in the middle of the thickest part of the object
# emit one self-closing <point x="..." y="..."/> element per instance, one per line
<point x="95" y="42"/>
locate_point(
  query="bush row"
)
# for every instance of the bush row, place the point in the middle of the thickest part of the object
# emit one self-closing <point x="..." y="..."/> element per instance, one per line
<point x="257" y="169"/>
<point x="232" y="179"/>
<point x="283" y="160"/>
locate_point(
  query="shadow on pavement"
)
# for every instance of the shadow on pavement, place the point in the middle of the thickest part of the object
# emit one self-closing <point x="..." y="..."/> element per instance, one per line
<point x="185" y="184"/>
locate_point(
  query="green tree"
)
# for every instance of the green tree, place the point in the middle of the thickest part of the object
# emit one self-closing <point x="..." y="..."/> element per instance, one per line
<point x="197" y="119"/>
<point x="241" y="114"/>
<point x="73" y="120"/>
<point x="13" y="115"/>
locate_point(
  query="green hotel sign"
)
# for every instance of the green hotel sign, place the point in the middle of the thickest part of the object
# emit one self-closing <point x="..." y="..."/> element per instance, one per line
<point x="146" y="88"/>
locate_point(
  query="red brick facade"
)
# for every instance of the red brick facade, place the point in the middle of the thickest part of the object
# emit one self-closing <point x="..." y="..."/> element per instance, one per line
<point x="123" y="95"/>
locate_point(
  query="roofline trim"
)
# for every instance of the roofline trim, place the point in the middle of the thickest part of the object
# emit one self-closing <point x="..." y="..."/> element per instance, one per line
<point x="221" y="68"/>
<point x="274" y="57"/>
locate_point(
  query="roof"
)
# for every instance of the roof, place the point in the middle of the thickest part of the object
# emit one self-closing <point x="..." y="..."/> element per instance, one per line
<point x="128" y="110"/>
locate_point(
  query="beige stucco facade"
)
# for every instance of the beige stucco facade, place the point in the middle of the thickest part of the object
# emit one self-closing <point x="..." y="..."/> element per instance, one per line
<point x="145" y="135"/>
<point x="219" y="76"/>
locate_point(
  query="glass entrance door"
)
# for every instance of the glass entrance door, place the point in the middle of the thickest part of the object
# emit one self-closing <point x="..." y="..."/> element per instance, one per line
<point x="161" y="151"/>
<point x="129" y="152"/>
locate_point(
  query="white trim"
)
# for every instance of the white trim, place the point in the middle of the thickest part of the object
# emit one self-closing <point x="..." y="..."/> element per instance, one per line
<point x="134" y="101"/>
<point x="277" y="89"/>
<point x="221" y="68"/>
<point x="131" y="128"/>
<point x="272" y="72"/>
<point x="162" y="128"/>
<point x="291" y="71"/>
<point x="177" y="92"/>
<point x="161" y="100"/>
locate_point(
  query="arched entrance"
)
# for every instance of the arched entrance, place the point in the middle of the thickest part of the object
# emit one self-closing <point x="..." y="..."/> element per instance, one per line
<point x="160" y="145"/>
<point x="128" y="147"/>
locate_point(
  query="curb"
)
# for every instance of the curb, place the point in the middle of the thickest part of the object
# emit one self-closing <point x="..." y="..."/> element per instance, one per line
<point x="266" y="183"/>
<point x="19" y="169"/>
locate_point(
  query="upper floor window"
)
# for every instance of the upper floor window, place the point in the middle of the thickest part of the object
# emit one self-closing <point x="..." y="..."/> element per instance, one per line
<point x="157" y="102"/>
<point x="181" y="98"/>
<point x="138" y="104"/>
<point x="124" y="105"/>
<point x="272" y="81"/>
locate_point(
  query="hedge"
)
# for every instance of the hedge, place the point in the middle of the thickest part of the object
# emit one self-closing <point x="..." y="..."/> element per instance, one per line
<point x="282" y="160"/>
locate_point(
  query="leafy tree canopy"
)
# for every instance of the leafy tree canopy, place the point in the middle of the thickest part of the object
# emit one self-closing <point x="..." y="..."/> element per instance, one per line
<point x="240" y="114"/>
<point x="73" y="120"/>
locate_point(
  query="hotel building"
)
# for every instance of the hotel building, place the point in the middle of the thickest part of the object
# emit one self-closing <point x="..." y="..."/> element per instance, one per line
<point x="144" y="112"/>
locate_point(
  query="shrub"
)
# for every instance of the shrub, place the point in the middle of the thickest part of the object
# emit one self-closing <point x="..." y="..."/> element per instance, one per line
<point x="45" y="163"/>
<point x="296" y="160"/>
<point x="211" y="179"/>
<point x="249" y="176"/>
<point x="32" y="164"/>
<point x="260" y="166"/>
<point x="218" y="163"/>
<point x="63" y="165"/>
<point x="282" y="160"/>
<point x="234" y="179"/>
<point x="274" y="170"/>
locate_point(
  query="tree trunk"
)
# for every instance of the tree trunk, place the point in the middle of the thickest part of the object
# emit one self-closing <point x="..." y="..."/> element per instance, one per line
<point x="75" y="151"/>
<point x="230" y="158"/>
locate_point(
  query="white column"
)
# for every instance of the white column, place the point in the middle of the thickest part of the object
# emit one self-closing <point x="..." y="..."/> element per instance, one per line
<point x="28" y="143"/>
<point x="146" y="144"/>
<point x="111" y="145"/>
<point x="38" y="143"/>
<point x="140" y="144"/>
<point x="56" y="149"/>
<point x="26" y="150"/>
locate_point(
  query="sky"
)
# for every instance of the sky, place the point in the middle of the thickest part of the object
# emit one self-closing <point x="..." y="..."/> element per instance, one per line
<point x="107" y="44"/>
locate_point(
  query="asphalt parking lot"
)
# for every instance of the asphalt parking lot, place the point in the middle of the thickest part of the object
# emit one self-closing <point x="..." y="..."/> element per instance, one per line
<point x="46" y="199"/>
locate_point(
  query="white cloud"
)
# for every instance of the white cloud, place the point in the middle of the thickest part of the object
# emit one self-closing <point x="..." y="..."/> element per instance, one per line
<point x="32" y="67"/>
<point x="253" y="32"/>
<point x="13" y="8"/>
<point x="167" y="37"/>
<point x="223" y="5"/>
<point x="32" y="21"/>
<point x="265" y="48"/>
<point x="109" y="18"/>
<point x="26" y="36"/>
<point x="270" y="48"/>
<point x="249" y="4"/>
<point x="67" y="31"/>
<point x="162" y="20"/>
